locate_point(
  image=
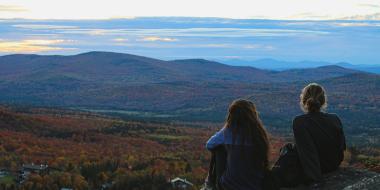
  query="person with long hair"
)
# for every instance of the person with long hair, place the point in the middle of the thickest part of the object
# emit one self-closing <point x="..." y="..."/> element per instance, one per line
<point x="239" y="150"/>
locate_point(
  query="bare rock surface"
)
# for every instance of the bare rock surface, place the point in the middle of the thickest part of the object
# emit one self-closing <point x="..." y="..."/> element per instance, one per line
<point x="347" y="179"/>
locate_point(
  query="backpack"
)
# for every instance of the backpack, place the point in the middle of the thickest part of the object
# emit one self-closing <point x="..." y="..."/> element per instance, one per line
<point x="269" y="182"/>
<point x="287" y="171"/>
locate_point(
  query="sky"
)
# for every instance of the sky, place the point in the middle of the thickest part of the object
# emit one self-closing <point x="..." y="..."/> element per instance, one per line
<point x="289" y="30"/>
<point x="247" y="9"/>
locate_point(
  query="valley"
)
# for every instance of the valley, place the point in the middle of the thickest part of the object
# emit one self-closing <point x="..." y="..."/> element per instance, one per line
<point x="193" y="90"/>
<point x="130" y="122"/>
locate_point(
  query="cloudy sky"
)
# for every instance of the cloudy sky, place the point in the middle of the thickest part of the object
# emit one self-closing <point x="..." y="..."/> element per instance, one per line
<point x="292" y="30"/>
<point x="269" y="9"/>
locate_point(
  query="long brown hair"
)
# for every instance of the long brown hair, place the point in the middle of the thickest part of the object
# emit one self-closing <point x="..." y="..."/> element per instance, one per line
<point x="244" y="122"/>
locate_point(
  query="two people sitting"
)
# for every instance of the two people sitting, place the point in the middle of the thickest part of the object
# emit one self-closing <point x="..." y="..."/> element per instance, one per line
<point x="240" y="150"/>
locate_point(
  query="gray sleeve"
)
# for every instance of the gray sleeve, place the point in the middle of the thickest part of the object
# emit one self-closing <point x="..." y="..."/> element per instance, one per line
<point x="307" y="152"/>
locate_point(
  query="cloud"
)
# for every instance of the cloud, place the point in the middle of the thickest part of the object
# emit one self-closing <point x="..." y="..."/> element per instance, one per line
<point x="42" y="26"/>
<point x="92" y="32"/>
<point x="259" y="47"/>
<point x="252" y="46"/>
<point x="122" y="17"/>
<point x="298" y="23"/>
<point x="98" y="32"/>
<point x="30" y="46"/>
<point x="369" y="5"/>
<point x="157" y="38"/>
<point x="153" y="34"/>
<point x="232" y="57"/>
<point x="310" y="16"/>
<point x="120" y="40"/>
<point x="12" y="8"/>
<point x="234" y="46"/>
<point x="213" y="45"/>
<point x="355" y="24"/>
<point x="375" y="16"/>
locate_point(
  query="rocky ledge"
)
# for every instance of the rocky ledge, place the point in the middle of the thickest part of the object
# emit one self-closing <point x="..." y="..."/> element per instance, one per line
<point x="347" y="179"/>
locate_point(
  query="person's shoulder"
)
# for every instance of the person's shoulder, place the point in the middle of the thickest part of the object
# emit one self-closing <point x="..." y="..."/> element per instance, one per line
<point x="299" y="118"/>
<point x="227" y="135"/>
<point x="298" y="121"/>
<point x="333" y="117"/>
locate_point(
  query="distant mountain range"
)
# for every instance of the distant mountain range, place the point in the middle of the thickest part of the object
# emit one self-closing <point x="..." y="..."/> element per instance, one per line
<point x="272" y="64"/>
<point x="191" y="90"/>
<point x="118" y="68"/>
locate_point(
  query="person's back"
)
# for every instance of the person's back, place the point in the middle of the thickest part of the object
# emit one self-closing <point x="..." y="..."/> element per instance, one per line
<point x="318" y="136"/>
<point x="320" y="143"/>
<point x="241" y="172"/>
<point x="245" y="145"/>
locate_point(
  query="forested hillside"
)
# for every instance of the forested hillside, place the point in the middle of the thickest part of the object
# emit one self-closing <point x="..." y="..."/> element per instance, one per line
<point x="123" y="121"/>
<point x="136" y="87"/>
<point x="86" y="151"/>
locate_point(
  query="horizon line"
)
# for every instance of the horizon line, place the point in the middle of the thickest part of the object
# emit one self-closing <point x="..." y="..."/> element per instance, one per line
<point x="196" y="17"/>
<point x="189" y="58"/>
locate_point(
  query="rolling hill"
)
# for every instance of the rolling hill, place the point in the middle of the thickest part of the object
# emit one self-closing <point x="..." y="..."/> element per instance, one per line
<point x="124" y="81"/>
<point x="272" y="64"/>
<point x="133" y="86"/>
<point x="108" y="67"/>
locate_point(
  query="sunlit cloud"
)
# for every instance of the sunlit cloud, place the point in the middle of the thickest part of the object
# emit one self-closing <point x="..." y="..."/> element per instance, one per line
<point x="122" y="17"/>
<point x="42" y="26"/>
<point x="128" y="9"/>
<point x="258" y="47"/>
<point x="43" y="35"/>
<point x="12" y="8"/>
<point x="30" y="46"/>
<point x="200" y="37"/>
<point x="176" y="45"/>
<point x="298" y="23"/>
<point x="120" y="40"/>
<point x="157" y="38"/>
<point x="375" y="16"/>
<point x="311" y="16"/>
<point x="252" y="46"/>
<point x="356" y="24"/>
<point x="92" y="32"/>
<point x="369" y="5"/>
<point x="98" y="32"/>
<point x="170" y="33"/>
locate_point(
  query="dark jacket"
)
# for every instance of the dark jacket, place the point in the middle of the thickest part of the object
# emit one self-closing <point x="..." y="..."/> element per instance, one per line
<point x="320" y="143"/>
<point x="240" y="172"/>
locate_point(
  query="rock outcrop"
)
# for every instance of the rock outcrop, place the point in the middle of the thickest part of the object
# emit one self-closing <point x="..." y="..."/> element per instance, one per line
<point x="347" y="179"/>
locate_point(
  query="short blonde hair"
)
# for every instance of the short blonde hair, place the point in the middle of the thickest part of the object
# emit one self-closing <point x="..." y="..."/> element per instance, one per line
<point x="313" y="98"/>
